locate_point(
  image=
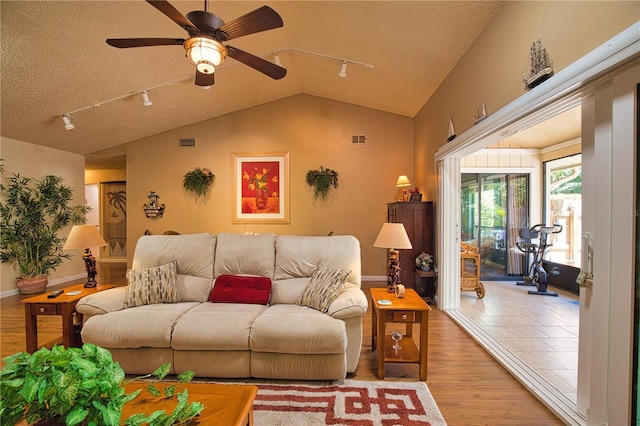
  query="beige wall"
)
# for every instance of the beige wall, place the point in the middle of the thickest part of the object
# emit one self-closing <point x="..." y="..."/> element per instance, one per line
<point x="491" y="70"/>
<point x="110" y="175"/>
<point x="315" y="131"/>
<point x="37" y="161"/>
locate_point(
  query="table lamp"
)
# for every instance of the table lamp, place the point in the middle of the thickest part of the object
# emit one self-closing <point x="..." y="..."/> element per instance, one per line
<point x="394" y="237"/>
<point x="84" y="237"/>
<point x="404" y="182"/>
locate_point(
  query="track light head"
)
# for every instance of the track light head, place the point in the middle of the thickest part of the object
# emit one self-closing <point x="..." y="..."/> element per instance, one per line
<point x="68" y="125"/>
<point x="343" y="70"/>
<point x="276" y="58"/>
<point x="145" y="96"/>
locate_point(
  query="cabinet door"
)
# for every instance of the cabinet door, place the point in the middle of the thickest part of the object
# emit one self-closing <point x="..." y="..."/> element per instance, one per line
<point x="417" y="218"/>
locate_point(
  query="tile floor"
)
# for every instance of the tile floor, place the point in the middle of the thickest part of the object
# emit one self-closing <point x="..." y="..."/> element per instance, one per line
<point x="542" y="331"/>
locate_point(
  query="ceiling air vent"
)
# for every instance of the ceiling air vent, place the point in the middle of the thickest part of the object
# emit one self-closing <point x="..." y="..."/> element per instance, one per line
<point x="359" y="139"/>
<point x="188" y="142"/>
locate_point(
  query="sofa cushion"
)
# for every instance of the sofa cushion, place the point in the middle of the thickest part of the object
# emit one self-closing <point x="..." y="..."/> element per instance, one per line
<point x="238" y="254"/>
<point x="152" y="285"/>
<point x="288" y="291"/>
<point x="295" y="329"/>
<point x="193" y="289"/>
<point x="241" y="289"/>
<point x="323" y="287"/>
<point x="193" y="253"/>
<point x="298" y="256"/>
<point x="139" y="327"/>
<point x="216" y="327"/>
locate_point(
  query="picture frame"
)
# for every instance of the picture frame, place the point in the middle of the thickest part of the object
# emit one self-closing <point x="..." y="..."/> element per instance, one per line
<point x="416" y="196"/>
<point x="260" y="187"/>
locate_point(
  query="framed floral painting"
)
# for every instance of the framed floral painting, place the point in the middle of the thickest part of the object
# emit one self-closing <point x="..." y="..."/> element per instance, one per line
<point x="261" y="187"/>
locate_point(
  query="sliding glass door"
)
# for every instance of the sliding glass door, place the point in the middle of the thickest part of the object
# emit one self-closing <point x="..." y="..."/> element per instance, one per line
<point x="494" y="208"/>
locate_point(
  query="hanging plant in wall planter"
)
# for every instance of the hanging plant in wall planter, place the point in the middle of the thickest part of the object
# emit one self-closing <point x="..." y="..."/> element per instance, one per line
<point x="198" y="181"/>
<point x="321" y="180"/>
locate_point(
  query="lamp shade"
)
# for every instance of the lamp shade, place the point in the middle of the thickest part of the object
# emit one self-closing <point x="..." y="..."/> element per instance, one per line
<point x="393" y="235"/>
<point x="84" y="236"/>
<point x="403" y="181"/>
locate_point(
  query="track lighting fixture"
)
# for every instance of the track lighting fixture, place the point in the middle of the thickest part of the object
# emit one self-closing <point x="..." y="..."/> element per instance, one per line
<point x="68" y="125"/>
<point x="145" y="96"/>
<point x="207" y="55"/>
<point x="343" y="70"/>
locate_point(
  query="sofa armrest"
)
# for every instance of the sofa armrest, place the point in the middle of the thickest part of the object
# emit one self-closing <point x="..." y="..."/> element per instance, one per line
<point x="350" y="303"/>
<point x="102" y="302"/>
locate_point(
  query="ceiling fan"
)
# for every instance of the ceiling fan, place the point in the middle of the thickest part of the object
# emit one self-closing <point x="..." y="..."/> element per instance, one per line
<point x="207" y="32"/>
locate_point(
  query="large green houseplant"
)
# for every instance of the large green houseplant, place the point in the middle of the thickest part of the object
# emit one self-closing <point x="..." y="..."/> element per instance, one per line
<point x="33" y="212"/>
<point x="80" y="386"/>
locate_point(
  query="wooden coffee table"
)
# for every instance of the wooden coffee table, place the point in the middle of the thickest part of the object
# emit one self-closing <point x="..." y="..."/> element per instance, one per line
<point x="409" y="309"/>
<point x="63" y="305"/>
<point x="225" y="405"/>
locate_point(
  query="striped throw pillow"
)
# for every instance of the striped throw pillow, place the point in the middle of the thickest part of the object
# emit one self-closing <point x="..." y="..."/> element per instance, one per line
<point x="324" y="286"/>
<point x="148" y="286"/>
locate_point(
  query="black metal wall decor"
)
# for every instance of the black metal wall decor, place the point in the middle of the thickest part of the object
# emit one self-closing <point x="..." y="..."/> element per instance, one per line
<point x="153" y="210"/>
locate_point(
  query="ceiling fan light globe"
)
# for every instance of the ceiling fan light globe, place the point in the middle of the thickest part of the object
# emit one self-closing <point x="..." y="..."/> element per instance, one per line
<point x="205" y="53"/>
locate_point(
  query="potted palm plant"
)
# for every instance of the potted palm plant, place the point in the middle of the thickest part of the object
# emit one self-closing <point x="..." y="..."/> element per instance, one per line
<point x="33" y="212"/>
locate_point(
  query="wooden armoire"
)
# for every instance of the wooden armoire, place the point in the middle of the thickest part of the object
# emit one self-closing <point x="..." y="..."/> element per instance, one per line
<point x="418" y="219"/>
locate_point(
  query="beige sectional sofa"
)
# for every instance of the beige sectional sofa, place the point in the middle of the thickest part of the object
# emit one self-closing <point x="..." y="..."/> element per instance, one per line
<point x="278" y="340"/>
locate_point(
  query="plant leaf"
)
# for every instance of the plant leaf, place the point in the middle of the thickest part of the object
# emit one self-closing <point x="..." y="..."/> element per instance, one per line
<point x="162" y="371"/>
<point x="187" y="376"/>
<point x="77" y="415"/>
<point x="154" y="391"/>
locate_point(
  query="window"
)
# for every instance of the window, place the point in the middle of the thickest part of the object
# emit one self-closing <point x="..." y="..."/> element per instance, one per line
<point x="563" y="205"/>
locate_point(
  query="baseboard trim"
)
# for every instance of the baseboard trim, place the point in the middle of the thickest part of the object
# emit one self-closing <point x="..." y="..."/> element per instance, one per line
<point x="553" y="399"/>
<point x="57" y="281"/>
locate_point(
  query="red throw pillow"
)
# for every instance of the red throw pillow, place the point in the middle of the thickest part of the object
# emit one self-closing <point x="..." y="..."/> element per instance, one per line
<point x="240" y="289"/>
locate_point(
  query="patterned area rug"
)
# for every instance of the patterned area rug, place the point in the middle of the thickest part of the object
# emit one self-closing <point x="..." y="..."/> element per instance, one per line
<point x="353" y="402"/>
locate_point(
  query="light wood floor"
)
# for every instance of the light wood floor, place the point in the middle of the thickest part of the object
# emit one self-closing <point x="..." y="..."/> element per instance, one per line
<point x="470" y="387"/>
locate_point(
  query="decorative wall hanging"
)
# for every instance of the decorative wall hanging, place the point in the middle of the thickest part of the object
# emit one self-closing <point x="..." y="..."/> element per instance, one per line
<point x="541" y="67"/>
<point x="153" y="209"/>
<point x="114" y="217"/>
<point x="198" y="181"/>
<point x="261" y="187"/>
<point x="321" y="180"/>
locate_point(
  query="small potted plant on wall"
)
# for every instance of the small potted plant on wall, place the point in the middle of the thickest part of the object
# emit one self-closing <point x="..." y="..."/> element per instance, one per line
<point x="33" y="212"/>
<point x="321" y="180"/>
<point x="198" y="181"/>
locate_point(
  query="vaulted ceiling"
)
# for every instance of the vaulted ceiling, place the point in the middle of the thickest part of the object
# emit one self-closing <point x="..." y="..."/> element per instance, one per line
<point x="55" y="61"/>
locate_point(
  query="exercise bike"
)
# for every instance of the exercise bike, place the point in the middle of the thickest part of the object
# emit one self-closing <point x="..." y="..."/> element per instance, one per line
<point x="537" y="275"/>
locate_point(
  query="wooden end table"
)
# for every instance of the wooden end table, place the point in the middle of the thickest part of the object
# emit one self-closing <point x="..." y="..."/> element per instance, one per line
<point x="225" y="405"/>
<point x="63" y="305"/>
<point x="409" y="309"/>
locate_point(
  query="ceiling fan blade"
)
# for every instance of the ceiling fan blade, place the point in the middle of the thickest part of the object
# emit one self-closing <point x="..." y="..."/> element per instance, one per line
<point x="203" y="79"/>
<point x="141" y="42"/>
<point x="272" y="70"/>
<point x="173" y="14"/>
<point x="261" y="19"/>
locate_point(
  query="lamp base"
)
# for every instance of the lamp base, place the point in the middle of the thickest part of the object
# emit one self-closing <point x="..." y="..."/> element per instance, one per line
<point x="90" y="264"/>
<point x="393" y="271"/>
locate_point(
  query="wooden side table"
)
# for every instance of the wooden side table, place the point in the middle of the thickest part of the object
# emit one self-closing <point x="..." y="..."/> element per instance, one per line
<point x="63" y="305"/>
<point x="409" y="309"/>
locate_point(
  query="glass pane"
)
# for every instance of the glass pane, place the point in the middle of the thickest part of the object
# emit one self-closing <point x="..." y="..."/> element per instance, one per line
<point x="563" y="205"/>
<point x="493" y="225"/>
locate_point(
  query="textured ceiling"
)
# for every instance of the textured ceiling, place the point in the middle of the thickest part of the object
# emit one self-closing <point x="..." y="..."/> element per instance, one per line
<point x="55" y="60"/>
